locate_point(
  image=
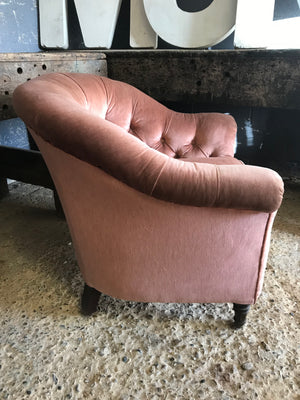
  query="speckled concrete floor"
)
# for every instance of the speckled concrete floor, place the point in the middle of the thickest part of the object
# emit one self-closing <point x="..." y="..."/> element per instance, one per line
<point x="133" y="350"/>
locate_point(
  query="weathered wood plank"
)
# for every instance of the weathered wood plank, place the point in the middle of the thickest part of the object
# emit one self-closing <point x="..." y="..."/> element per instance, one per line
<point x="239" y="77"/>
<point x="18" y="68"/>
<point x="258" y="78"/>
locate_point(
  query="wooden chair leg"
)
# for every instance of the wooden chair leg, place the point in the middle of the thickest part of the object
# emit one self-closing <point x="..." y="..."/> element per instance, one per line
<point x="240" y="314"/>
<point x="89" y="300"/>
<point x="58" y="207"/>
<point x="3" y="187"/>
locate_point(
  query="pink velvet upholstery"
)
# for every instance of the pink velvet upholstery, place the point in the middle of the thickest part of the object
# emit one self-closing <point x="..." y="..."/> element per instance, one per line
<point x="180" y="170"/>
<point x="158" y="207"/>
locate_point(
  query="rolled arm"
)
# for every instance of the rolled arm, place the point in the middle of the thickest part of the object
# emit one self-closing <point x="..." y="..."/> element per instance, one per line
<point x="228" y="186"/>
<point x="130" y="160"/>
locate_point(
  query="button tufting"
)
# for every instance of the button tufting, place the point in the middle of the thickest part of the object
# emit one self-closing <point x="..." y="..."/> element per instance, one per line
<point x="194" y="142"/>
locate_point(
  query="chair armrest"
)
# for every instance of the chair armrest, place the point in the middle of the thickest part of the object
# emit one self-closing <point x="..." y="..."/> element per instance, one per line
<point x="130" y="160"/>
<point x="228" y="186"/>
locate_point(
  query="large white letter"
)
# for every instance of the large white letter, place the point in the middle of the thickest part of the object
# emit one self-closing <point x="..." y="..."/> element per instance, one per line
<point x="284" y="34"/>
<point x="53" y="24"/>
<point x="191" y="29"/>
<point x="253" y="23"/>
<point x="98" y="20"/>
<point x="141" y="32"/>
<point x="255" y="27"/>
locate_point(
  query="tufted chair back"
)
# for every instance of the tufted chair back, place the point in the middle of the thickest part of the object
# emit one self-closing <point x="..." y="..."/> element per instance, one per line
<point x="178" y="135"/>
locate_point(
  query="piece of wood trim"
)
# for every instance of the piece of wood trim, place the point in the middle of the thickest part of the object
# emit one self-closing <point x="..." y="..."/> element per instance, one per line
<point x="17" y="68"/>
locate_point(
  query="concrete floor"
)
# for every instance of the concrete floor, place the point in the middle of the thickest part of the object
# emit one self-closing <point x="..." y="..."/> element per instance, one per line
<point x="132" y="350"/>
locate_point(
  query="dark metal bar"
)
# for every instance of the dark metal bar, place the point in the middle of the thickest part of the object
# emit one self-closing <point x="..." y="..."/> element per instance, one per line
<point x="24" y="165"/>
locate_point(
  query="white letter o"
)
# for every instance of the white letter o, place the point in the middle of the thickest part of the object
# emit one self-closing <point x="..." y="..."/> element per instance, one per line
<point x="191" y="29"/>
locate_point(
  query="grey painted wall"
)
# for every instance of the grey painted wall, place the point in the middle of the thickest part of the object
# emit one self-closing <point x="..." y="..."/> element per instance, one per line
<point x="18" y="33"/>
<point x="19" y="26"/>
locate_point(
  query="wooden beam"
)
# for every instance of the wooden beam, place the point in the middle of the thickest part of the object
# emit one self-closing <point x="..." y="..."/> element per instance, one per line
<point x="255" y="78"/>
<point x="16" y="68"/>
<point x="259" y="78"/>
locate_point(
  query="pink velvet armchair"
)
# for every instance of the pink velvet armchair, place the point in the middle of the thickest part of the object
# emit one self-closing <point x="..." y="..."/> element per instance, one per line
<point x="158" y="208"/>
